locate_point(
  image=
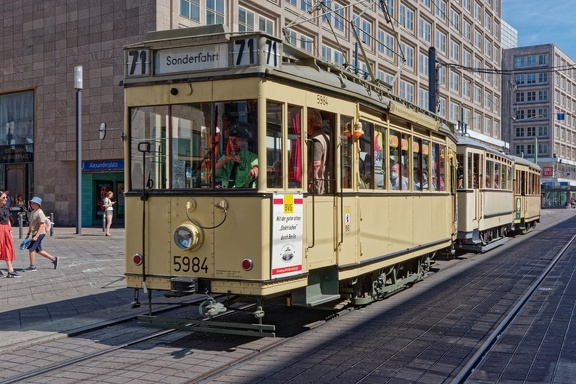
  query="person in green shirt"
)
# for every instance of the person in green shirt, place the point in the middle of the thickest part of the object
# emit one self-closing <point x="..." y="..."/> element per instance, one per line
<point x="239" y="168"/>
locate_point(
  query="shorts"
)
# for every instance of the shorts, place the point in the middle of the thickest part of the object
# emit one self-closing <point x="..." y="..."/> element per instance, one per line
<point x="108" y="212"/>
<point x="36" y="246"/>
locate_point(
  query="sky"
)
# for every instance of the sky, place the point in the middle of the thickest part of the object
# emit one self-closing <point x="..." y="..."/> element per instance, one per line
<point x="543" y="22"/>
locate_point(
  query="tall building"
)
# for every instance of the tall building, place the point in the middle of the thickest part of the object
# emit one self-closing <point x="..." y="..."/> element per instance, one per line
<point x="42" y="42"/>
<point x="539" y="114"/>
<point x="509" y="36"/>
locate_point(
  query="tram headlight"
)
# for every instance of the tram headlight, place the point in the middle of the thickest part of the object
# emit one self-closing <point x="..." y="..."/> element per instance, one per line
<point x="187" y="237"/>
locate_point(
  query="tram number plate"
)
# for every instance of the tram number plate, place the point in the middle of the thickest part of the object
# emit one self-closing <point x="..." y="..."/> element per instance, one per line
<point x="137" y="61"/>
<point x="189" y="264"/>
<point x="246" y="52"/>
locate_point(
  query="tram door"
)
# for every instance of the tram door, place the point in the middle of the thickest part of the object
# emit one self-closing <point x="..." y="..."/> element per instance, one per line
<point x="321" y="208"/>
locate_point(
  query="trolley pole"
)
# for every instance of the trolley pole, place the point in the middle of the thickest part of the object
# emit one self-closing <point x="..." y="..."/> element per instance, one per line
<point x="78" y="86"/>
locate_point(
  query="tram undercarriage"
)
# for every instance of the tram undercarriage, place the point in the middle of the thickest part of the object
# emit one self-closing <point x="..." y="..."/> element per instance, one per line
<point x="359" y="291"/>
<point x="483" y="241"/>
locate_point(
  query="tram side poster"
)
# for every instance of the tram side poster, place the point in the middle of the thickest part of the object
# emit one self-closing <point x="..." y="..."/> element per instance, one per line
<point x="287" y="230"/>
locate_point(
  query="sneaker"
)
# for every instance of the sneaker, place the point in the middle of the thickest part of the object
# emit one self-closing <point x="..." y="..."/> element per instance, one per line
<point x="30" y="269"/>
<point x="12" y="275"/>
<point x="55" y="262"/>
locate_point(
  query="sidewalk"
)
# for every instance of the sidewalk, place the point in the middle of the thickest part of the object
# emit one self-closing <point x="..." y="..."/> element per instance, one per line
<point x="87" y="287"/>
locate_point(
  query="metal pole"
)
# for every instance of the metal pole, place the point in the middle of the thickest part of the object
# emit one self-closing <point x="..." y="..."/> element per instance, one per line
<point x="78" y="87"/>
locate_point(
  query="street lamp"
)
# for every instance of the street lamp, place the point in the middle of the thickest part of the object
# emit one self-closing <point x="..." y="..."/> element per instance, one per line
<point x="78" y="87"/>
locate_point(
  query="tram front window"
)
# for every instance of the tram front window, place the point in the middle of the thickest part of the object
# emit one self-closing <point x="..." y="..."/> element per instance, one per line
<point x="192" y="146"/>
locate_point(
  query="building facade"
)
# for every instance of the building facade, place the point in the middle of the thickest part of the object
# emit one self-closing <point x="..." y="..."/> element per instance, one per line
<point x="539" y="87"/>
<point x="42" y="42"/>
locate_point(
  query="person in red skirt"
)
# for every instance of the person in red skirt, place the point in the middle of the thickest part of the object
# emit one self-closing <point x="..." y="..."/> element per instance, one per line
<point x="6" y="242"/>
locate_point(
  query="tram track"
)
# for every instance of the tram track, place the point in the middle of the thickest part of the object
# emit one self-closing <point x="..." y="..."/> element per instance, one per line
<point x="246" y="351"/>
<point x="487" y="346"/>
<point x="91" y="358"/>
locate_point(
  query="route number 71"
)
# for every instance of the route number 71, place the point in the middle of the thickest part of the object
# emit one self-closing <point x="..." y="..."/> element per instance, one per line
<point x="246" y="52"/>
<point x="137" y="62"/>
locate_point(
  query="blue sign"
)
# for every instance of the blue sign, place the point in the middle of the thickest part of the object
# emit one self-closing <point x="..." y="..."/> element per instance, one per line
<point x="103" y="165"/>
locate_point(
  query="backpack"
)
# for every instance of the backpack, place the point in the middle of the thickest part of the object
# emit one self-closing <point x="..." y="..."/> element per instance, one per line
<point x="48" y="224"/>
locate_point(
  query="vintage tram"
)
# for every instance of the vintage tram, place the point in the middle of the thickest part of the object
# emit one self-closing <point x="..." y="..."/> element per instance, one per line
<point x="498" y="194"/>
<point x="227" y="193"/>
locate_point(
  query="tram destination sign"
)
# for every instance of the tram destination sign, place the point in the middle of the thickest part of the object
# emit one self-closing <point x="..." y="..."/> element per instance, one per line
<point x="191" y="59"/>
<point x="238" y="52"/>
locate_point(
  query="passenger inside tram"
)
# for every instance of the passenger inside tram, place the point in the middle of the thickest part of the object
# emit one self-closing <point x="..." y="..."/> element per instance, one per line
<point x="239" y="168"/>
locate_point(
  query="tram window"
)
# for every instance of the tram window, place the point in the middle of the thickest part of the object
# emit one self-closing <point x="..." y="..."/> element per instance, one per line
<point x="366" y="156"/>
<point x="496" y="184"/>
<point x="420" y="154"/>
<point x="148" y="147"/>
<point x="461" y="181"/>
<point x="320" y="128"/>
<point x="398" y="146"/>
<point x="508" y="172"/>
<point x="438" y="165"/>
<point x="346" y="150"/>
<point x="238" y="165"/>
<point x="274" y="140"/>
<point x="489" y="174"/>
<point x="294" y="147"/>
<point x="379" y="171"/>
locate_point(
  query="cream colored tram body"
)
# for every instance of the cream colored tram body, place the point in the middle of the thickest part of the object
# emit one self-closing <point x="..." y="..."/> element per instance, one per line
<point x="191" y="229"/>
<point x="527" y="194"/>
<point x="496" y="195"/>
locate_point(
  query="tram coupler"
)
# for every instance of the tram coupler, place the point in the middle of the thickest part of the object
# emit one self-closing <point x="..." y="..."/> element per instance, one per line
<point x="259" y="313"/>
<point x="211" y="308"/>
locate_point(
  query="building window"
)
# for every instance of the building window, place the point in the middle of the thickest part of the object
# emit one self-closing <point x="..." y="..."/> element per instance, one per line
<point x="338" y="17"/>
<point x="542" y="131"/>
<point x="190" y="9"/>
<point x="423" y="64"/>
<point x="215" y="12"/>
<point x="440" y="42"/>
<point x="519" y="132"/>
<point x="466" y="30"/>
<point x="364" y="30"/>
<point x="408" y="55"/>
<point x="424" y="30"/>
<point x="248" y="21"/>
<point x="423" y="98"/>
<point x="406" y="17"/>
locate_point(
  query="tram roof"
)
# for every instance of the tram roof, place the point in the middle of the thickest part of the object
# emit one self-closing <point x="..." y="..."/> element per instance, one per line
<point x="300" y="66"/>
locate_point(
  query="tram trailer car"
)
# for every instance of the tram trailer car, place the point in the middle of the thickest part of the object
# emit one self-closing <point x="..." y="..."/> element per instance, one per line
<point x="527" y="194"/>
<point x="498" y="194"/>
<point x="347" y="233"/>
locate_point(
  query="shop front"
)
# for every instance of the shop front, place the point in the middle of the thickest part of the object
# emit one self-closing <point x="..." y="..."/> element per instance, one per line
<point x="99" y="177"/>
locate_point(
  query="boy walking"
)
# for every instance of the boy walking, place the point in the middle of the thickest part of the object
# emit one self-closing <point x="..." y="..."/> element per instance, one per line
<point x="37" y="229"/>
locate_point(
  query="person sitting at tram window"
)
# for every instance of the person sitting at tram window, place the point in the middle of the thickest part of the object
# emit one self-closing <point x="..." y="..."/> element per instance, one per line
<point x="460" y="178"/>
<point x="397" y="182"/>
<point x="488" y="182"/>
<point x="424" y="185"/>
<point x="320" y="142"/>
<point x="496" y="180"/>
<point x="239" y="168"/>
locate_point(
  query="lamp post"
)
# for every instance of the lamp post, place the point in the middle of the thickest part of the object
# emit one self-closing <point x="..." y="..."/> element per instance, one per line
<point x="78" y="87"/>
